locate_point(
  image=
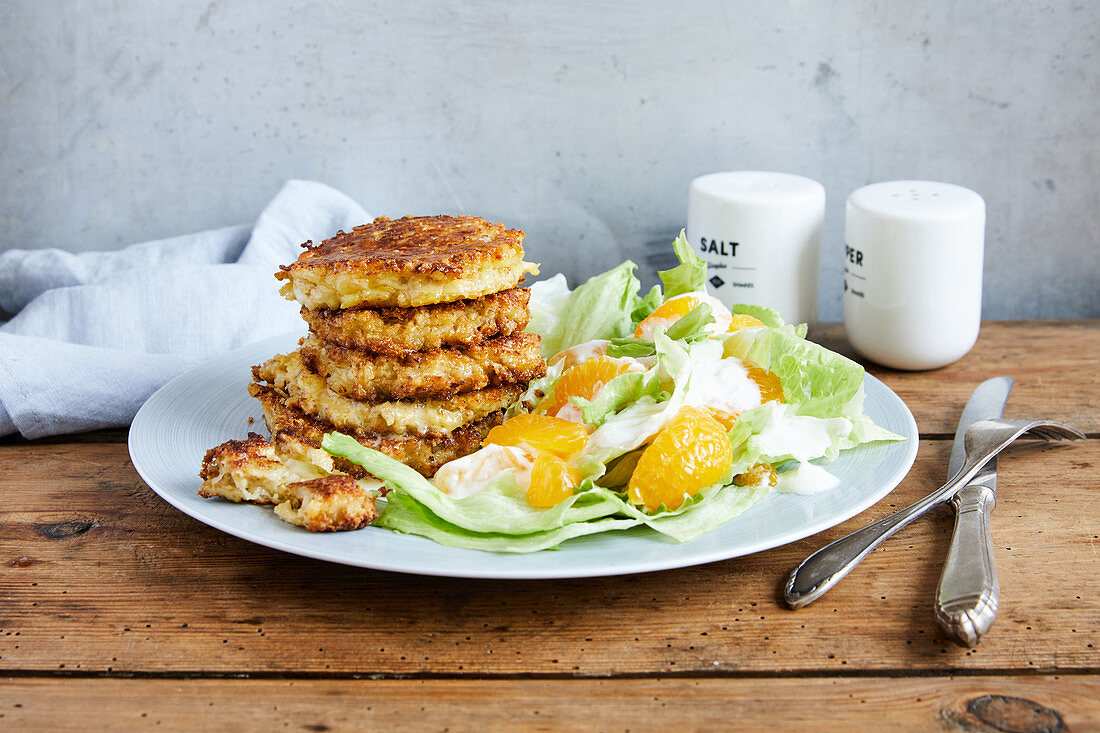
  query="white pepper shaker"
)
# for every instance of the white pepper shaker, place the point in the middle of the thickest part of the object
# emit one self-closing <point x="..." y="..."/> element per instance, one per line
<point x="913" y="272"/>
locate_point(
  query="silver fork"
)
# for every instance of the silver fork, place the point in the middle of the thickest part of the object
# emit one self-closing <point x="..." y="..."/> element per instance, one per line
<point x="984" y="439"/>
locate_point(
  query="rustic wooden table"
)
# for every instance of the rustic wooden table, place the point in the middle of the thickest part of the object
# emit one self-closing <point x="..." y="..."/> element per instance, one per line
<point x="118" y="611"/>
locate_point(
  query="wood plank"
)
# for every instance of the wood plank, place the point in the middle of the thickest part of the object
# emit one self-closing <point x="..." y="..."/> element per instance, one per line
<point x="1055" y="364"/>
<point x="98" y="574"/>
<point x="822" y="704"/>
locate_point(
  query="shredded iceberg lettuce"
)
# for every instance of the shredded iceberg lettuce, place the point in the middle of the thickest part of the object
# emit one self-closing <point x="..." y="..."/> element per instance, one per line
<point x="690" y="276"/>
<point x="599" y="309"/>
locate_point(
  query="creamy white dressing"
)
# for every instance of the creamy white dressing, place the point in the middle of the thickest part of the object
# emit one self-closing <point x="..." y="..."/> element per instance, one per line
<point x="628" y="430"/>
<point x="471" y="474"/>
<point x="806" y="479"/>
<point x="723" y="386"/>
<point x="799" y="436"/>
<point x="650" y="324"/>
<point x="581" y="352"/>
<point x="570" y="412"/>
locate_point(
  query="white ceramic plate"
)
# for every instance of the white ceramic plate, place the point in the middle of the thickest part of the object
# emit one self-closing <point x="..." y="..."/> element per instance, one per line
<point x="209" y="405"/>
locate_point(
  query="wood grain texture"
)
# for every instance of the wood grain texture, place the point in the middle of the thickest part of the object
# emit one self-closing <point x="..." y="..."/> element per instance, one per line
<point x="116" y="609"/>
<point x="971" y="704"/>
<point x="1055" y="364"/>
<point x="99" y="575"/>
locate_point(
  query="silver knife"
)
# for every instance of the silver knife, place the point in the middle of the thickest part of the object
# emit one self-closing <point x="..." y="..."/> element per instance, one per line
<point x="819" y="572"/>
<point x="966" y="599"/>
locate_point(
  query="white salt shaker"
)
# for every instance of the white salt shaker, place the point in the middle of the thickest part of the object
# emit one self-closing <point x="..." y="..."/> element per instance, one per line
<point x="913" y="272"/>
<point x="760" y="234"/>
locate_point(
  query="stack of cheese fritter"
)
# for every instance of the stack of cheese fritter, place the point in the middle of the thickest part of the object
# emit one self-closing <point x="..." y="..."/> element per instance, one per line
<point x="417" y="343"/>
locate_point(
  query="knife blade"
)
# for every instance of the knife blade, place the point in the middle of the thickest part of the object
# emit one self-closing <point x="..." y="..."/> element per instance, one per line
<point x="968" y="591"/>
<point x="986" y="401"/>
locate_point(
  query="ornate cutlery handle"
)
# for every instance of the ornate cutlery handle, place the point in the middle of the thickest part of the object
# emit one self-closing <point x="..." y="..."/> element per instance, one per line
<point x="966" y="600"/>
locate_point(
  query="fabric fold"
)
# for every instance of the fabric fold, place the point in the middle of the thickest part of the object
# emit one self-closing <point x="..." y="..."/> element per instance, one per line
<point x="94" y="334"/>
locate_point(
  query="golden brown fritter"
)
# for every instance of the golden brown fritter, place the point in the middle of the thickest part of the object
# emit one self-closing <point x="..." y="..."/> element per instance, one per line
<point x="436" y="374"/>
<point x="246" y="470"/>
<point x="402" y="331"/>
<point x="308" y="392"/>
<point x="407" y="262"/>
<point x="424" y="454"/>
<point x="293" y="474"/>
<point x="259" y="471"/>
<point x="328" y="504"/>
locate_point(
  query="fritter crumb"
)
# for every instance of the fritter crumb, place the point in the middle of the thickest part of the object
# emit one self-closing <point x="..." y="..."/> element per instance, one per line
<point x="328" y="504"/>
<point x="245" y="470"/>
<point x="293" y="474"/>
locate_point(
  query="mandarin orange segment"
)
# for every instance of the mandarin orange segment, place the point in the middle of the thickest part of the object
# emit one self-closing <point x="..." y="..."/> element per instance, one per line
<point x="581" y="352"/>
<point x="725" y="419"/>
<point x="689" y="454"/>
<point x="666" y="314"/>
<point x="744" y="320"/>
<point x="552" y="481"/>
<point x="541" y="432"/>
<point x="771" y="389"/>
<point x="759" y="474"/>
<point x="583" y="380"/>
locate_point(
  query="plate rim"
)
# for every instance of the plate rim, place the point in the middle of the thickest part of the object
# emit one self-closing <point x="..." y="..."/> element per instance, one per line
<point x="535" y="571"/>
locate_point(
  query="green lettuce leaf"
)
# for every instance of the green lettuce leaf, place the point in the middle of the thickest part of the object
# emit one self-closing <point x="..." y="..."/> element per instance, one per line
<point x="820" y="382"/>
<point x="598" y="309"/>
<point x="767" y="316"/>
<point x="623" y="390"/>
<point x="718" y="505"/>
<point x="548" y="301"/>
<point x="636" y="348"/>
<point x="644" y="306"/>
<point x="500" y="522"/>
<point x="689" y="327"/>
<point x="712" y="508"/>
<point x="486" y="511"/>
<point x="405" y="515"/>
<point x="693" y="325"/>
<point x="774" y="432"/>
<point x="690" y="276"/>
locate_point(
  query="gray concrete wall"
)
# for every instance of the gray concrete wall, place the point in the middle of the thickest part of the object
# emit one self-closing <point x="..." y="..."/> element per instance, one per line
<point x="579" y="122"/>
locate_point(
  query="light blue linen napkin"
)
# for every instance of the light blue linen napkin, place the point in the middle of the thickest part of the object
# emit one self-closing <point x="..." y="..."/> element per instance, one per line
<point x="96" y="333"/>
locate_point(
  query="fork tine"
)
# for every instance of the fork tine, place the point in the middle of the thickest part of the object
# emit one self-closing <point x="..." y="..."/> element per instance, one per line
<point x="1055" y="431"/>
<point x="1068" y="431"/>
